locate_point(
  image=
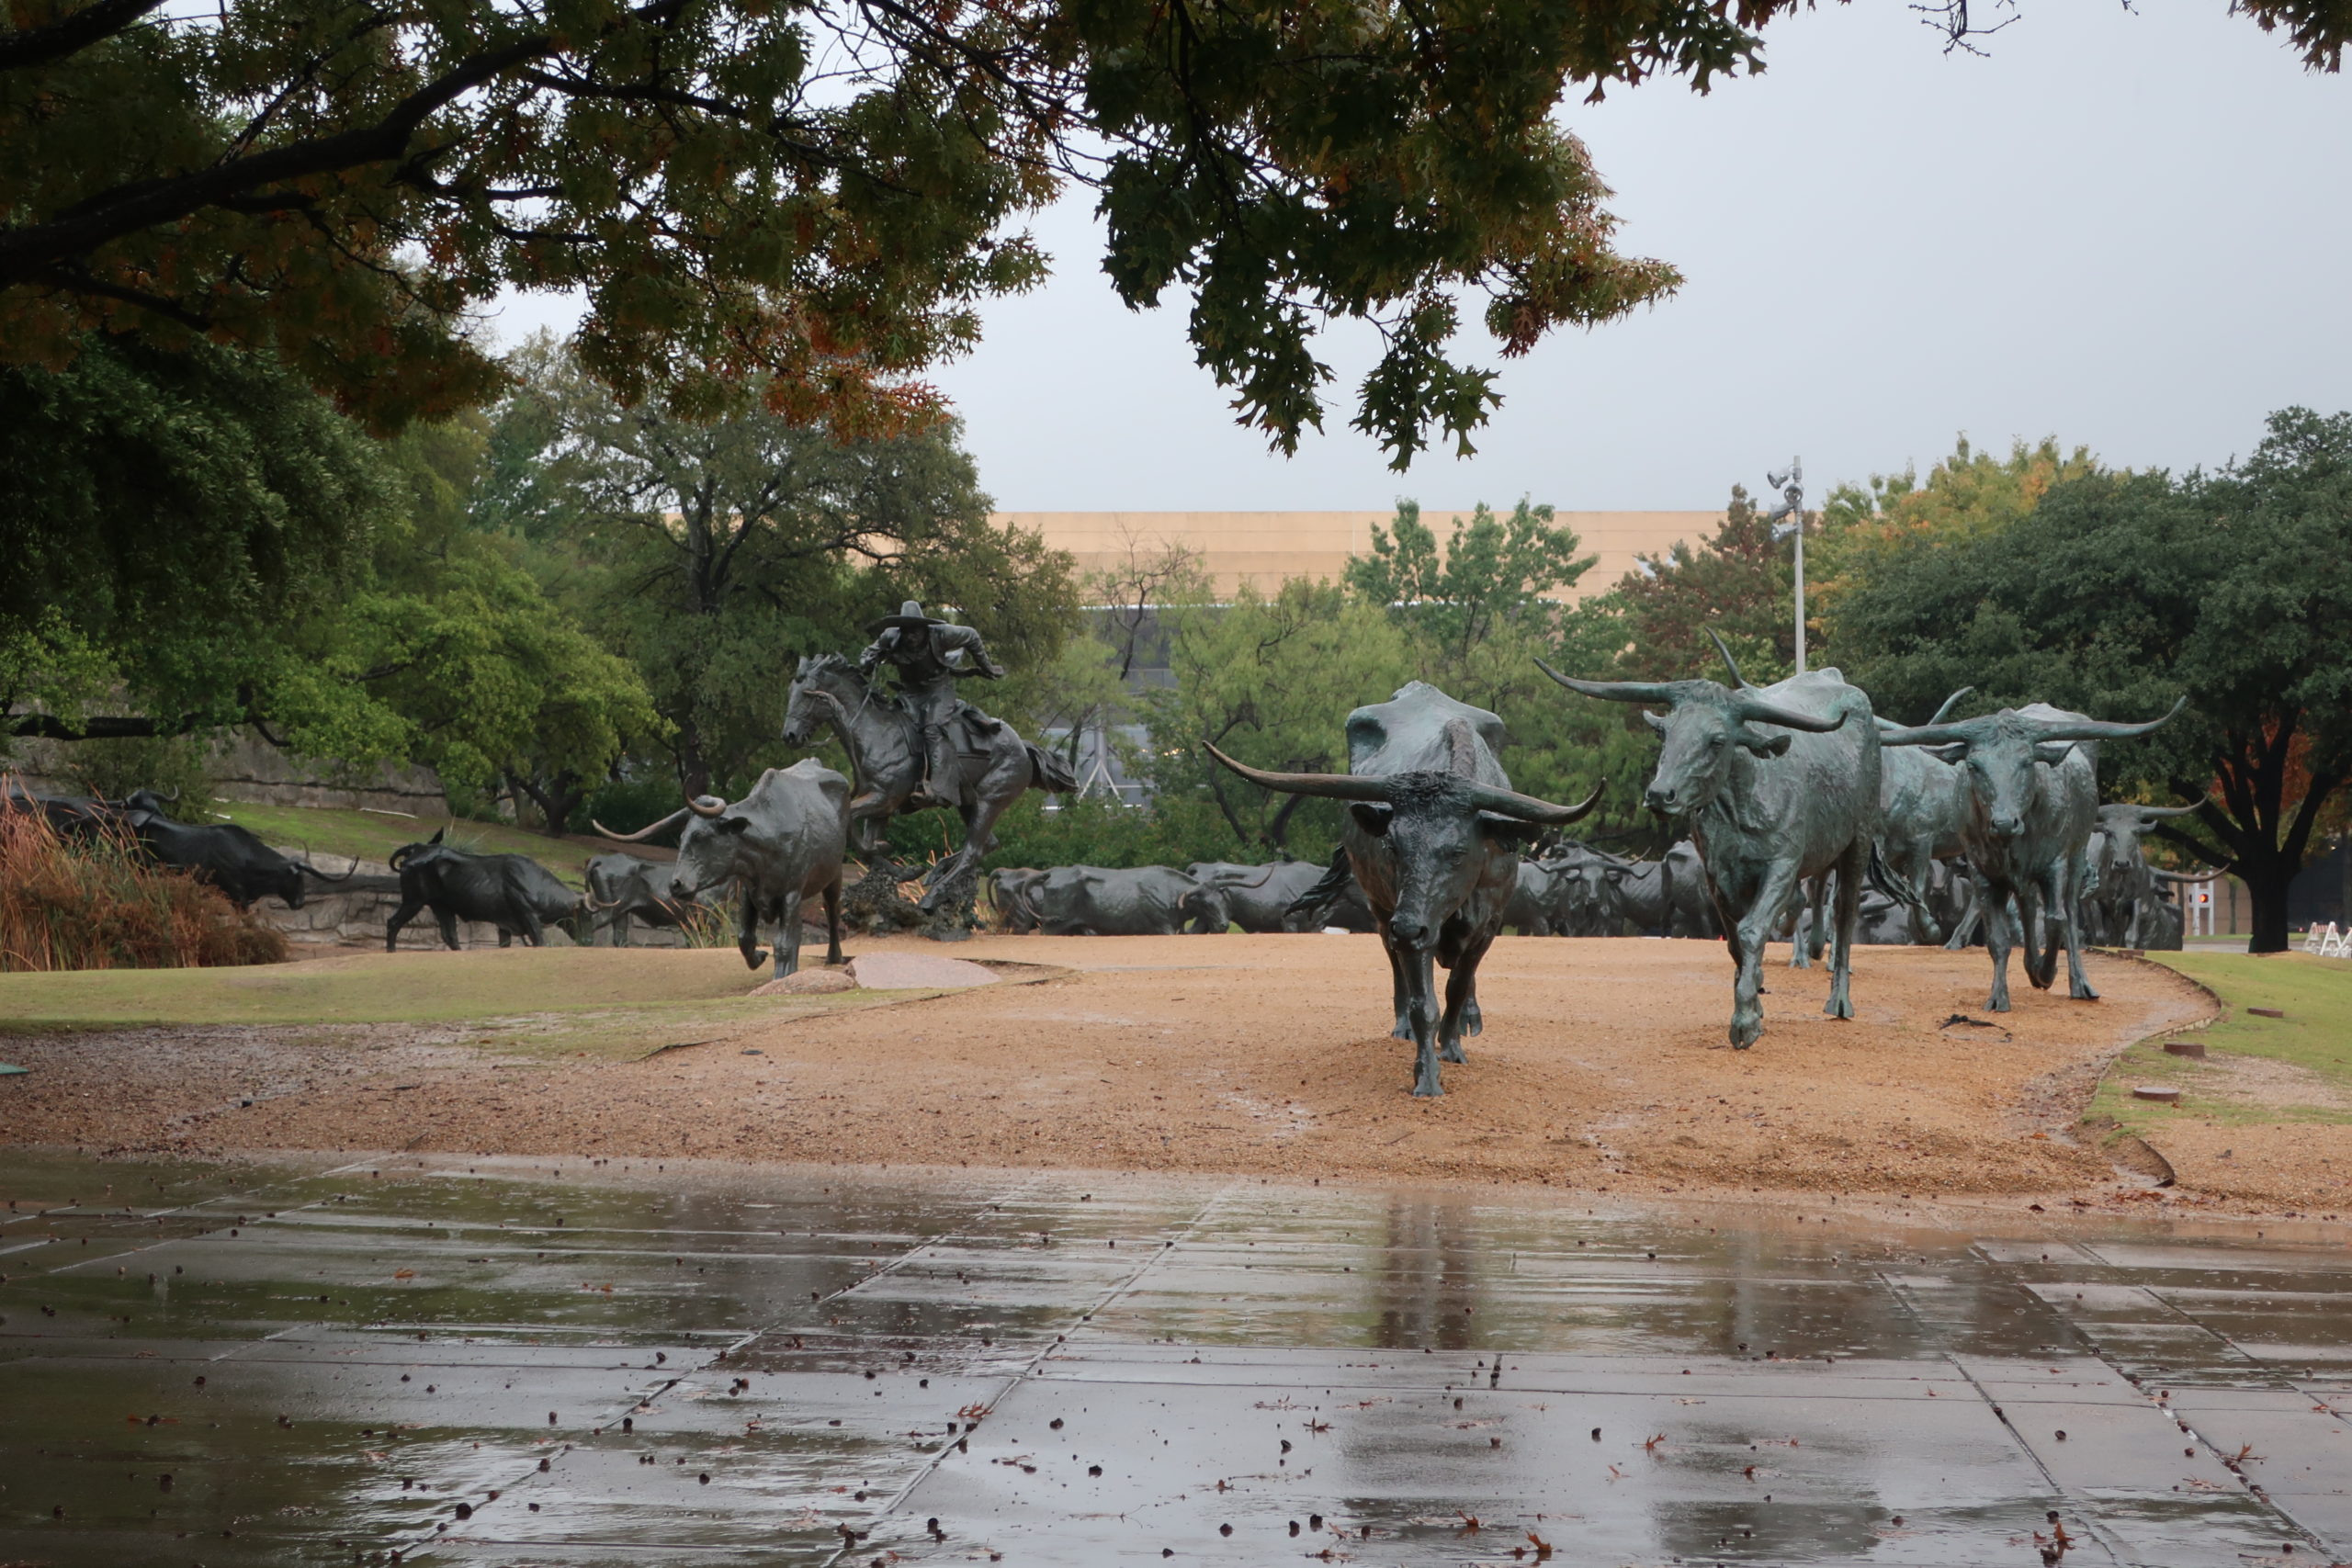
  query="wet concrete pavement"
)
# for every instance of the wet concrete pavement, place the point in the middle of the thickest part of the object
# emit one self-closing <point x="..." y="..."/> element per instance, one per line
<point x="509" y="1362"/>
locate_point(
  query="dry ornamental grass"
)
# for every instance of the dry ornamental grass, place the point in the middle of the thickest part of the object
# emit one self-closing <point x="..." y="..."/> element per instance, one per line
<point x="98" y="903"/>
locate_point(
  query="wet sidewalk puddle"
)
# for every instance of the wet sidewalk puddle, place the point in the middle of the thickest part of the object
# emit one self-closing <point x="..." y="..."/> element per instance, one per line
<point x="507" y="1363"/>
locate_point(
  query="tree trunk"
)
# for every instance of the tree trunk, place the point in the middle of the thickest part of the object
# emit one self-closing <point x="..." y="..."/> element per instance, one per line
<point x="693" y="768"/>
<point x="2267" y="885"/>
<point x="556" y="799"/>
<point x="1278" y="831"/>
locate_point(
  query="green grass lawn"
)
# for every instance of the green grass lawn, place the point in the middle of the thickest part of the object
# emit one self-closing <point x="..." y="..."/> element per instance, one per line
<point x="2315" y="1037"/>
<point x="611" y="1003"/>
<point x="337" y="835"/>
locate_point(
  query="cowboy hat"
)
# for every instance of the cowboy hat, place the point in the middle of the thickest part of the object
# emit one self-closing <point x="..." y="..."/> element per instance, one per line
<point x="909" y="615"/>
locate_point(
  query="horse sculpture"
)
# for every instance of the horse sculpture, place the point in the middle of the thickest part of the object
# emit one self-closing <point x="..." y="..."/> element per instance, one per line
<point x="886" y="761"/>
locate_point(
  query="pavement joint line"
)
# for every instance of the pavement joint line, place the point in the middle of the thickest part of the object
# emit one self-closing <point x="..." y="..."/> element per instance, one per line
<point x="2058" y="1493"/>
<point x="736" y="1343"/>
<point x="1028" y="1370"/>
<point x="2091" y="1348"/>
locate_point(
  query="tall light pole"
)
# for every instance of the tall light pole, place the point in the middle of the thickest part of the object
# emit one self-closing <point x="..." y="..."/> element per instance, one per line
<point x="1789" y="520"/>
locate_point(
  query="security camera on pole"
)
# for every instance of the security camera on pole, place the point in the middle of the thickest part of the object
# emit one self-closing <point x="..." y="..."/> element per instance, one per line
<point x="1788" y="522"/>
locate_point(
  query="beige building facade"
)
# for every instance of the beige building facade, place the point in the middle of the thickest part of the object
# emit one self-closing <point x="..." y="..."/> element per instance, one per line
<point x="1264" y="547"/>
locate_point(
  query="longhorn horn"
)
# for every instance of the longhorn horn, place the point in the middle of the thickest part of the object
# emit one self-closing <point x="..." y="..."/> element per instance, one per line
<point x="1329" y="787"/>
<point x="1756" y="710"/>
<point x="642" y="833"/>
<point x="1616" y="691"/>
<point x="2102" y="730"/>
<point x="1961" y="734"/>
<point x="1941" y="715"/>
<point x="1527" y="809"/>
<point x="305" y="867"/>
<point x="2180" y="876"/>
<point x="707" y="805"/>
<point x="1738" y="680"/>
<point x="2157" y="813"/>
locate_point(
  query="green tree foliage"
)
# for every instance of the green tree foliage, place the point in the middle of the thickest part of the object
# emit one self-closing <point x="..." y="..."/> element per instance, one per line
<point x="711" y="553"/>
<point x="163" y="518"/>
<point x="2121" y="591"/>
<point x="199" y="538"/>
<point x="1740" y="584"/>
<point x="494" y="682"/>
<point x="1478" y="610"/>
<point x="817" y="196"/>
<point x="1270" y="678"/>
<point x="820" y="195"/>
<point x="1489" y="579"/>
<point x="1268" y="681"/>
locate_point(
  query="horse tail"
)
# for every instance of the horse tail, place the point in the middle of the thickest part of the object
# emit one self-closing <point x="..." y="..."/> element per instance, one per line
<point x="1048" y="772"/>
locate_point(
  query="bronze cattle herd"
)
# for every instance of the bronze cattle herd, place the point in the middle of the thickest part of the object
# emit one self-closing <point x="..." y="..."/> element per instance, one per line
<point x="1810" y="818"/>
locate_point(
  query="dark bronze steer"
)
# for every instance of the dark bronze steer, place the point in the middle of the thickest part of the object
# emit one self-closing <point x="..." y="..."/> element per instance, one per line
<point x="1258" y="898"/>
<point x="781" y="845"/>
<point x="1144" y="900"/>
<point x="1781" y="783"/>
<point x="625" y="888"/>
<point x="514" y="893"/>
<point x="2032" y="777"/>
<point x="1432" y="834"/>
<point x="2122" y="905"/>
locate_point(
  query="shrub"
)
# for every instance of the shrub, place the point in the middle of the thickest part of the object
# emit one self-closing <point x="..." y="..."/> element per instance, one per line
<point x="172" y="766"/>
<point x="626" y="805"/>
<point x="98" y="903"/>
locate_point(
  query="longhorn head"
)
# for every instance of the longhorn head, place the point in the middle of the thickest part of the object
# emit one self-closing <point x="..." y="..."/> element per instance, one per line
<point x="2002" y="750"/>
<point x="1389" y="789"/>
<point x="1433" y="824"/>
<point x="1703" y="722"/>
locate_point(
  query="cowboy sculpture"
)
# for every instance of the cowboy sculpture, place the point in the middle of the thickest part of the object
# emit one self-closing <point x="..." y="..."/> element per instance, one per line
<point x="926" y="654"/>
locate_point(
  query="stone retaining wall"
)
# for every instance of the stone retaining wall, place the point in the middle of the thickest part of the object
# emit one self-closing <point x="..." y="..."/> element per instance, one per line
<point x="246" y="767"/>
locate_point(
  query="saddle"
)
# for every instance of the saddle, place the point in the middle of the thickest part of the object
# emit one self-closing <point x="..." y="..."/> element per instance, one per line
<point x="970" y="730"/>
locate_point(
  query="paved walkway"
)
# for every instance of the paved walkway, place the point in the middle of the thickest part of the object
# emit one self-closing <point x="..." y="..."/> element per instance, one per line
<point x="507" y="1363"/>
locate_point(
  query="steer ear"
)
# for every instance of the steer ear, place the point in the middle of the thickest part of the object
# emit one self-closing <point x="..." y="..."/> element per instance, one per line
<point x="732" y="824"/>
<point x="1656" y="721"/>
<point x="436" y="836"/>
<point x="1372" y="819"/>
<point x="1509" y="830"/>
<point x="2052" y="751"/>
<point x="1762" y="745"/>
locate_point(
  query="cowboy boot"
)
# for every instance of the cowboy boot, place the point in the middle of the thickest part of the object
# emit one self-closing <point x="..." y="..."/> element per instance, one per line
<point x="940" y="768"/>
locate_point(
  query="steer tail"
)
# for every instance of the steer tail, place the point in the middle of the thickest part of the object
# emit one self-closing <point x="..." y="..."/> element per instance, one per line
<point x="1048" y="772"/>
<point x="1881" y="876"/>
<point x="1326" y="892"/>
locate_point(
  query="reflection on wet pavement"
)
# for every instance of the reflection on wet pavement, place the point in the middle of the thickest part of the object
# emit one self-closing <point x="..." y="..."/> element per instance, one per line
<point x="514" y="1363"/>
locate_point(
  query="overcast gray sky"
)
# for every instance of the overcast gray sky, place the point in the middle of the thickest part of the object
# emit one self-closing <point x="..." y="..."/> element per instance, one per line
<point x="2127" y="228"/>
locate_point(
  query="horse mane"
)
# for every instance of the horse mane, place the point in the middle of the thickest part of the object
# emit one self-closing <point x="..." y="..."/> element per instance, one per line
<point x="825" y="664"/>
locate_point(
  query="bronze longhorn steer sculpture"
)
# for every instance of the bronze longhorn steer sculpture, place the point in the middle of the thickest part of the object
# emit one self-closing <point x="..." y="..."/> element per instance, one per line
<point x="2033" y="797"/>
<point x="1779" y="783"/>
<point x="1432" y="833"/>
<point x="1923" y="817"/>
<point x="780" y="845"/>
<point x="2123" y="905"/>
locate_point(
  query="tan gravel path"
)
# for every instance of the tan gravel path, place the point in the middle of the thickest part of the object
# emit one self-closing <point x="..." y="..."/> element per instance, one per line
<point x="1603" y="1065"/>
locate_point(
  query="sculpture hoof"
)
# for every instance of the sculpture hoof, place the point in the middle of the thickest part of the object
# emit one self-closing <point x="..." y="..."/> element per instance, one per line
<point x="1429" y="1090"/>
<point x="1452" y="1054"/>
<point x="754" y="958"/>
